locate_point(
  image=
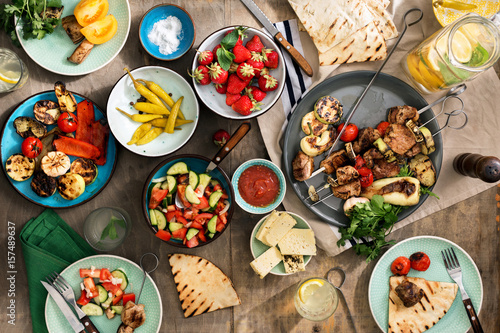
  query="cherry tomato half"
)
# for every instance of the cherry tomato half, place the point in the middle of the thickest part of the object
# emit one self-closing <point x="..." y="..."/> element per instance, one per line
<point x="31" y="147"/>
<point x="401" y="266"/>
<point x="420" y="261"/>
<point x="67" y="122"/>
<point x="382" y="127"/>
<point x="90" y="11"/>
<point x="350" y="133"/>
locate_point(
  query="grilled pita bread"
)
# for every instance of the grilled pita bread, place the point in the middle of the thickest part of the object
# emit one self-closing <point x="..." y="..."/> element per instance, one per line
<point x="382" y="19"/>
<point x="437" y="300"/>
<point x="202" y="286"/>
<point x="367" y="44"/>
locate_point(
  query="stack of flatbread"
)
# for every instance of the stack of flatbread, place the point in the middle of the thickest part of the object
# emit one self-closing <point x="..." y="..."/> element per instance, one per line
<point x="346" y="31"/>
<point x="437" y="300"/>
<point x="202" y="286"/>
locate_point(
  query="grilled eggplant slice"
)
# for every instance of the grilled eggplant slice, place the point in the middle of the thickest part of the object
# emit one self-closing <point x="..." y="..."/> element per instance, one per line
<point x="401" y="191"/>
<point x="67" y="101"/>
<point x="328" y="110"/>
<point x="424" y="170"/>
<point x="28" y="126"/>
<point x="71" y="186"/>
<point x="20" y="167"/>
<point x="81" y="52"/>
<point x="46" y="112"/>
<point x="85" y="168"/>
<point x="43" y="185"/>
<point x="317" y="127"/>
<point x="72" y="28"/>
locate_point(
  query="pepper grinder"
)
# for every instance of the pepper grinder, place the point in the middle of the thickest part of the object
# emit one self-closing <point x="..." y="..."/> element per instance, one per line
<point x="486" y="168"/>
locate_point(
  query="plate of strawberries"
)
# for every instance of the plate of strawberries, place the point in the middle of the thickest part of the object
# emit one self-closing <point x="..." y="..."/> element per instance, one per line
<point x="238" y="72"/>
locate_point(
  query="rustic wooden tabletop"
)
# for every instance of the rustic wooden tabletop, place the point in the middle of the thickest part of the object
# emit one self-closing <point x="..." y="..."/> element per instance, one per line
<point x="267" y="305"/>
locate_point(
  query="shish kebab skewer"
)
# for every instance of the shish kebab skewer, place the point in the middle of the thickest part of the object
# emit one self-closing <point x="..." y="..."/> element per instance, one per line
<point x="363" y="94"/>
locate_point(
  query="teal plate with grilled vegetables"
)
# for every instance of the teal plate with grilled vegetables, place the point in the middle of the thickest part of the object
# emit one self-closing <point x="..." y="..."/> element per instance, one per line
<point x="455" y="320"/>
<point x="150" y="295"/>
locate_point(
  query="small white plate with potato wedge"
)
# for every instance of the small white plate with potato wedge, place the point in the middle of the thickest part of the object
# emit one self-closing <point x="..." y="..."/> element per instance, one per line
<point x="125" y="97"/>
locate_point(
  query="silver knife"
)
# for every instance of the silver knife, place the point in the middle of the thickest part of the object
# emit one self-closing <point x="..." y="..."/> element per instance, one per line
<point x="64" y="307"/>
<point x="296" y="56"/>
<point x="230" y="144"/>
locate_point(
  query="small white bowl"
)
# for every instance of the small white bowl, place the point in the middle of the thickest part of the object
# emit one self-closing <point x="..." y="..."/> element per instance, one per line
<point x="217" y="102"/>
<point x="245" y="205"/>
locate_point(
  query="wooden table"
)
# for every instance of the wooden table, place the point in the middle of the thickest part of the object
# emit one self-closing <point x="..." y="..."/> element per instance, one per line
<point x="267" y="305"/>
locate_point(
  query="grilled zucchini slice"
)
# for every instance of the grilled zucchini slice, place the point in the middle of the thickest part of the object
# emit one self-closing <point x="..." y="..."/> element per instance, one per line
<point x="328" y="110"/>
<point x="385" y="150"/>
<point x="46" y="112"/>
<point x="71" y="186"/>
<point x="317" y="126"/>
<point x="43" y="185"/>
<point x="20" y="167"/>
<point x="85" y="168"/>
<point x="424" y="170"/>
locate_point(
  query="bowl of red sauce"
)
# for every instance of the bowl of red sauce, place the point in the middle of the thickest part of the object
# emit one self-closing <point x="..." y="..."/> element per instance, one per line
<point x="259" y="186"/>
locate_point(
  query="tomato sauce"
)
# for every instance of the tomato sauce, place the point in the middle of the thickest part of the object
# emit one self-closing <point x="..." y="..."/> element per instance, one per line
<point x="259" y="186"/>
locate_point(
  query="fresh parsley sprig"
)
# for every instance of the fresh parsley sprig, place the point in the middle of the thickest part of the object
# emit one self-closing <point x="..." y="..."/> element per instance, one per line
<point x="374" y="220"/>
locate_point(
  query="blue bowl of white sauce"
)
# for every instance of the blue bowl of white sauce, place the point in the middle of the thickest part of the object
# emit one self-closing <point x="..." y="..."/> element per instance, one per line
<point x="167" y="32"/>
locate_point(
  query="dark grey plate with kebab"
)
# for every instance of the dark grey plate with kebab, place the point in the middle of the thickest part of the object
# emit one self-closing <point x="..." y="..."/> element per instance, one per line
<point x="386" y="92"/>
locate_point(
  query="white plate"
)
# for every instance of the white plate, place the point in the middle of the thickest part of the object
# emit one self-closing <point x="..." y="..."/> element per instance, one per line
<point x="124" y="92"/>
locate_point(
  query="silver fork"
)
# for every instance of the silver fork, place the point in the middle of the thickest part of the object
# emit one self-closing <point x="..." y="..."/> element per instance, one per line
<point x="453" y="267"/>
<point x="66" y="291"/>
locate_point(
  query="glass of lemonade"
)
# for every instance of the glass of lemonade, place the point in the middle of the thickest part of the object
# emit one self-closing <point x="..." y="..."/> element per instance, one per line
<point x="316" y="299"/>
<point x="106" y="228"/>
<point x="13" y="71"/>
<point x="454" y="54"/>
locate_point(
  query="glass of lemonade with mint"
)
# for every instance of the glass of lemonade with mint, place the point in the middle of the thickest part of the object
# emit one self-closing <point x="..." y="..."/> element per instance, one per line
<point x="106" y="228"/>
<point x="454" y="54"/>
<point x="316" y="299"/>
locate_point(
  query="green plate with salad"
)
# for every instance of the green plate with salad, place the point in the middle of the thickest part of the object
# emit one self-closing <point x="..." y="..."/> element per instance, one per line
<point x="130" y="275"/>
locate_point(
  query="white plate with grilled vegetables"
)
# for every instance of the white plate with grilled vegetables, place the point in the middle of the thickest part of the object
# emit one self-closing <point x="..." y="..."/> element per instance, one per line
<point x="11" y="143"/>
<point x="385" y="93"/>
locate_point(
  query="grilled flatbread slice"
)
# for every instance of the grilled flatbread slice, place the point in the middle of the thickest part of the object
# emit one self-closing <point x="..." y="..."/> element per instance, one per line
<point x="437" y="300"/>
<point x="202" y="286"/>
<point x="382" y="19"/>
<point x="367" y="44"/>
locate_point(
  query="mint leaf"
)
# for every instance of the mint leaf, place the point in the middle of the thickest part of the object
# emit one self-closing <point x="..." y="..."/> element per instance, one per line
<point x="229" y="41"/>
<point x="105" y="231"/>
<point x="112" y="231"/>
<point x="120" y="222"/>
<point x="225" y="58"/>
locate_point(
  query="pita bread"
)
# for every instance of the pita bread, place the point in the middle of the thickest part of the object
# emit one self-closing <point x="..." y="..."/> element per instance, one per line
<point x="382" y="19"/>
<point x="437" y="300"/>
<point x="367" y="44"/>
<point x="202" y="286"/>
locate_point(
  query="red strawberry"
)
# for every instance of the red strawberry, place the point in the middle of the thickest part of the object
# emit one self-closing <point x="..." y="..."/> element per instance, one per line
<point x="272" y="59"/>
<point x="220" y="137"/>
<point x="200" y="74"/>
<point x="267" y="83"/>
<point x="233" y="67"/>
<point x="256" y="62"/>
<point x="232" y="98"/>
<point x="235" y="85"/>
<point x="254" y="44"/>
<point x="217" y="74"/>
<point x="214" y="51"/>
<point x="241" y="54"/>
<point x="244" y="106"/>
<point x="221" y="88"/>
<point x="241" y="33"/>
<point x="255" y="93"/>
<point x="264" y="71"/>
<point x="245" y="71"/>
<point x="205" y="57"/>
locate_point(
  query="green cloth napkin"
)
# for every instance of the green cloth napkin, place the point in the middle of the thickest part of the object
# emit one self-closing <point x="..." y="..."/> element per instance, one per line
<point x="49" y="245"/>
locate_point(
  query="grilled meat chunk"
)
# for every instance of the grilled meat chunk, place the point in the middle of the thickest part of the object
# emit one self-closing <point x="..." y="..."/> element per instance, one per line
<point x="414" y="151"/>
<point x="365" y="139"/>
<point x="370" y="155"/>
<point x="334" y="161"/>
<point x="383" y="169"/>
<point x="401" y="114"/>
<point x="125" y="329"/>
<point x="302" y="166"/>
<point x="346" y="174"/>
<point x="409" y="293"/>
<point x="133" y="315"/>
<point x="352" y="189"/>
<point x="399" y="138"/>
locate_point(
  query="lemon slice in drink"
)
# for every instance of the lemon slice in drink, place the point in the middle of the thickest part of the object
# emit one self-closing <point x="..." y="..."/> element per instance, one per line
<point x="10" y="77"/>
<point x="460" y="46"/>
<point x="308" y="288"/>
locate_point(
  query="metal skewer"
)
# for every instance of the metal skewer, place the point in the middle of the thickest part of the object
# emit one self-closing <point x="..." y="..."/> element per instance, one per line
<point x="358" y="102"/>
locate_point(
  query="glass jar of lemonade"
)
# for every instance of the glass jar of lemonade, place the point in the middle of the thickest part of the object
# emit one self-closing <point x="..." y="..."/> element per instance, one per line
<point x="454" y="54"/>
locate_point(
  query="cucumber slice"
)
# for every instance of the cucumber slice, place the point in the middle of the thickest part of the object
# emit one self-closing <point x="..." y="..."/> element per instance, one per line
<point x="107" y="303"/>
<point x="152" y="217"/>
<point x="91" y="309"/>
<point x="191" y="196"/>
<point x="119" y="274"/>
<point x="214" y="182"/>
<point x="212" y="224"/>
<point x="177" y="169"/>
<point x="191" y="233"/>
<point x="103" y="295"/>
<point x="204" y="181"/>
<point x="173" y="226"/>
<point x="169" y="184"/>
<point x="167" y="201"/>
<point x="158" y="217"/>
<point x="151" y="186"/>
<point x="118" y="309"/>
<point x="214" y="198"/>
<point x="194" y="179"/>
<point x="211" y="235"/>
